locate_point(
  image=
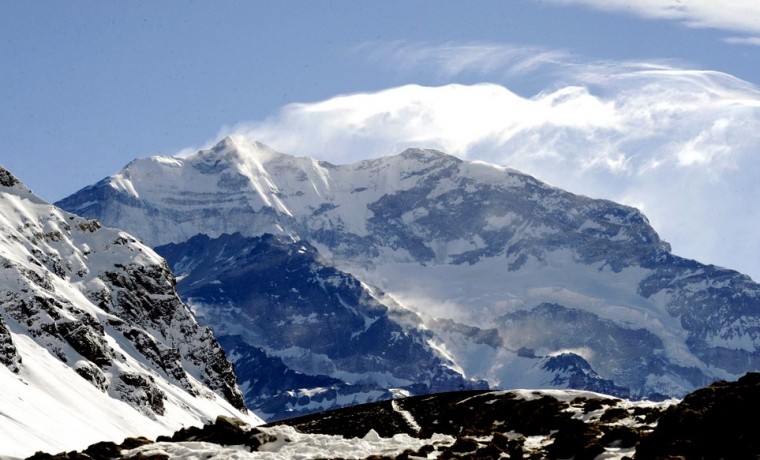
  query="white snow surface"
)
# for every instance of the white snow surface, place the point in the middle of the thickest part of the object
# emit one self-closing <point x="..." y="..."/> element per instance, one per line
<point x="291" y="444"/>
<point x="46" y="405"/>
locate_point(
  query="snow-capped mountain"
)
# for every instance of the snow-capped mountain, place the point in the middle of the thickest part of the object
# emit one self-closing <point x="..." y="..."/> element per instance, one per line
<point x="481" y="245"/>
<point x="94" y="342"/>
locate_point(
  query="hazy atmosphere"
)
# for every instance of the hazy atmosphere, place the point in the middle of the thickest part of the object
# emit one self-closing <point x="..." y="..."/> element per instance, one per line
<point x="653" y="104"/>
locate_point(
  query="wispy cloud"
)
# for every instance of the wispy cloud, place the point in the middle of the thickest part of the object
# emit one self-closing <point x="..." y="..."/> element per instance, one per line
<point x="681" y="144"/>
<point x="499" y="60"/>
<point x="752" y="41"/>
<point x="450" y="59"/>
<point x="736" y="15"/>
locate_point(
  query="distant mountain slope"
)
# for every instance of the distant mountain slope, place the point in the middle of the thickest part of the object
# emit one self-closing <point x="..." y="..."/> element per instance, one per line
<point x="482" y="245"/>
<point x="331" y="340"/>
<point x="94" y="341"/>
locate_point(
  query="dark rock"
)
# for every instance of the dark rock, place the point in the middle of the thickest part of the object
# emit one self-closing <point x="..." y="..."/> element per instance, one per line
<point x="710" y="423"/>
<point x="225" y="431"/>
<point x="614" y="414"/>
<point x="94" y="375"/>
<point x="8" y="354"/>
<point x="619" y="436"/>
<point x="7" y="179"/>
<point x="464" y="445"/>
<point x="105" y="450"/>
<point x="143" y="392"/>
<point x="87" y="338"/>
<point x="575" y="439"/>
<point x="583" y="329"/>
<point x="572" y="371"/>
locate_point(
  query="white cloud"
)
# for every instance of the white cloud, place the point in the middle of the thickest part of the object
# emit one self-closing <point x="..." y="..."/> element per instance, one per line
<point x="682" y="145"/>
<point x="737" y="15"/>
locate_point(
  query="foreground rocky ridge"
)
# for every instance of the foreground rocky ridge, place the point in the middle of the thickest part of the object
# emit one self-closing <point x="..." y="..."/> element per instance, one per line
<point x="708" y="424"/>
<point x="481" y="245"/>
<point x="93" y="336"/>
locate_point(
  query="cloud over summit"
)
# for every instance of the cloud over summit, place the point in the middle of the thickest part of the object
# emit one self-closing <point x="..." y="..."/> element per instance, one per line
<point x="680" y="144"/>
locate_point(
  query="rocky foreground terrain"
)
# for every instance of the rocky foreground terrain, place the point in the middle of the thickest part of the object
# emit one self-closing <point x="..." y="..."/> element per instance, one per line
<point x="708" y="423"/>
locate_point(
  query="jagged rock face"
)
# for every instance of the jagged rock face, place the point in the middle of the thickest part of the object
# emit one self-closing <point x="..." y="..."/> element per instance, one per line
<point x="99" y="310"/>
<point x="288" y="309"/>
<point x="469" y="242"/>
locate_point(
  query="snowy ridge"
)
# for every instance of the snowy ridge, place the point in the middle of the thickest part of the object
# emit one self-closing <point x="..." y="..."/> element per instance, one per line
<point x="483" y="245"/>
<point x="94" y="342"/>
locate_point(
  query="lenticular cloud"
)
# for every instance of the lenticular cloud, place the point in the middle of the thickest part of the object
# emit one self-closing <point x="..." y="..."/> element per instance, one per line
<point x="681" y="145"/>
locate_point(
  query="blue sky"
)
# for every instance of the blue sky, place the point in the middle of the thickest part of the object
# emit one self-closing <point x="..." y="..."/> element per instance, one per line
<point x="653" y="103"/>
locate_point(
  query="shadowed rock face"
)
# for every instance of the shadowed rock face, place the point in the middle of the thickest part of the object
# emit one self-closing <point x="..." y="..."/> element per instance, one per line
<point x="266" y="296"/>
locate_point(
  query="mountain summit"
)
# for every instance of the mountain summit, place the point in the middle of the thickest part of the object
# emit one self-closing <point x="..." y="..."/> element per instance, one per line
<point x="94" y="342"/>
<point x="555" y="280"/>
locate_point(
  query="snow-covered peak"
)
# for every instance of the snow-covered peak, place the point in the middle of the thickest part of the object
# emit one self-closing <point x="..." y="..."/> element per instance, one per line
<point x="427" y="155"/>
<point x="237" y="149"/>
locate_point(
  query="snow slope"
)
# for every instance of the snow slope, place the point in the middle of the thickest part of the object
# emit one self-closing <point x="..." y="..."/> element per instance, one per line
<point x="94" y="342"/>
